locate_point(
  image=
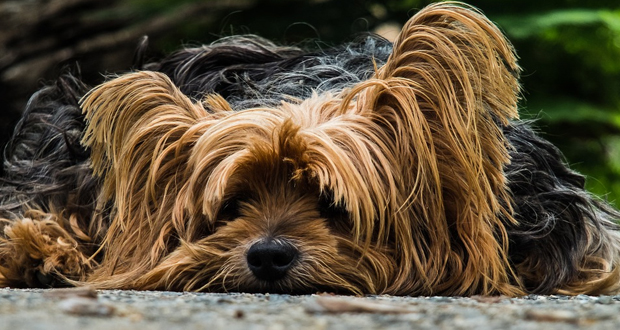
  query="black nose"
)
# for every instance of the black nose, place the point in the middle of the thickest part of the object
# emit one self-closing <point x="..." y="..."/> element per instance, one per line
<point x="270" y="260"/>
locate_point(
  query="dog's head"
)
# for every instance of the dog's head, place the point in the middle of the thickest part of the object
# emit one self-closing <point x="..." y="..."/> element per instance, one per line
<point x="393" y="186"/>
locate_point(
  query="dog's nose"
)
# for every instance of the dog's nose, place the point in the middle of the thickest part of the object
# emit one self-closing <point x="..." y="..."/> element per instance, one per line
<point x="270" y="260"/>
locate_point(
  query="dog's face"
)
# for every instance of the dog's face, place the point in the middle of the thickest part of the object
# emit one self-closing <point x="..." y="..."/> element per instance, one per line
<point x="265" y="204"/>
<point x="392" y="186"/>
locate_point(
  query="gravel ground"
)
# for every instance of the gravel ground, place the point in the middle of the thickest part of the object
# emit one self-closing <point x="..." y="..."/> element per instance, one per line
<point x="70" y="309"/>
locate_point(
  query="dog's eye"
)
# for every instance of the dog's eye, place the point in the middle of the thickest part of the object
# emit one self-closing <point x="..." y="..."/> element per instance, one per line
<point x="229" y="209"/>
<point x="335" y="214"/>
<point x="329" y="208"/>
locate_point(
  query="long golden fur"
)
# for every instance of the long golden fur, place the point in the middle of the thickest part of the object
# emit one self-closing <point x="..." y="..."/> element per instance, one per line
<point x="409" y="164"/>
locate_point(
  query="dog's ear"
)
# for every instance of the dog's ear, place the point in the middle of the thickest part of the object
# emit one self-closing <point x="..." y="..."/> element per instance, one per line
<point x="140" y="129"/>
<point x="441" y="100"/>
<point x="134" y="124"/>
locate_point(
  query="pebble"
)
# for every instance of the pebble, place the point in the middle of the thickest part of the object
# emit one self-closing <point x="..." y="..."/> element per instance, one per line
<point x="85" y="307"/>
<point x="605" y="300"/>
<point x="552" y="316"/>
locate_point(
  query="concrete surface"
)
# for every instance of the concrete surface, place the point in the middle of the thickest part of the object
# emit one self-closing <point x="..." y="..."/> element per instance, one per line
<point x="69" y="309"/>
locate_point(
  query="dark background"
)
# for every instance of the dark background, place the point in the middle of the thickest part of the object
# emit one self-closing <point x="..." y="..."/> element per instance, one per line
<point x="569" y="49"/>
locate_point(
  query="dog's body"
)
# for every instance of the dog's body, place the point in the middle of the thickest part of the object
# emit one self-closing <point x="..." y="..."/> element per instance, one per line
<point x="367" y="168"/>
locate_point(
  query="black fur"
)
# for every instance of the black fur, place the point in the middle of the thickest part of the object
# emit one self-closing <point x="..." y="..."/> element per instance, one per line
<point x="249" y="71"/>
<point x="44" y="161"/>
<point x="552" y="208"/>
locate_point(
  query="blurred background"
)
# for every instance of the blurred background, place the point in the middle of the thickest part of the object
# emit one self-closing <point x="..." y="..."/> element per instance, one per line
<point x="569" y="50"/>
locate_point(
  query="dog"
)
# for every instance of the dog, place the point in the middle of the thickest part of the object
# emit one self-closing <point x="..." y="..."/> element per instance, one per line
<point x="368" y="168"/>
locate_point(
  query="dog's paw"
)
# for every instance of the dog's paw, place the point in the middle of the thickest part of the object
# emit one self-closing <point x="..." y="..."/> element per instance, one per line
<point x="40" y="253"/>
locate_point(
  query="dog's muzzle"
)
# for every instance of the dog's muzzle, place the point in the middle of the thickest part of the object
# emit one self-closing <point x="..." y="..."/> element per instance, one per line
<point x="270" y="260"/>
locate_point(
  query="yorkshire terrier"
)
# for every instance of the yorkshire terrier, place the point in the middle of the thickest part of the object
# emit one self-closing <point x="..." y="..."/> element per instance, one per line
<point x="369" y="168"/>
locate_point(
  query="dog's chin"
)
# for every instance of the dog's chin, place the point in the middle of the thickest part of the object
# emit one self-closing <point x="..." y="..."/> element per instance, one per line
<point x="286" y="285"/>
<point x="291" y="284"/>
<point x="283" y="287"/>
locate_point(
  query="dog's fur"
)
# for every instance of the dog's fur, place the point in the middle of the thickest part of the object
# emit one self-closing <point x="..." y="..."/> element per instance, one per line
<point x="367" y="168"/>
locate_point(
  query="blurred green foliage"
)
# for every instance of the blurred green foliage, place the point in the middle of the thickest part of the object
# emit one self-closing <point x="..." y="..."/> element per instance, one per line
<point x="571" y="60"/>
<point x="569" y="50"/>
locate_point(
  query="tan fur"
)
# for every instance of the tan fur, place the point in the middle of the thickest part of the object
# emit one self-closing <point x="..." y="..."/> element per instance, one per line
<point x="39" y="244"/>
